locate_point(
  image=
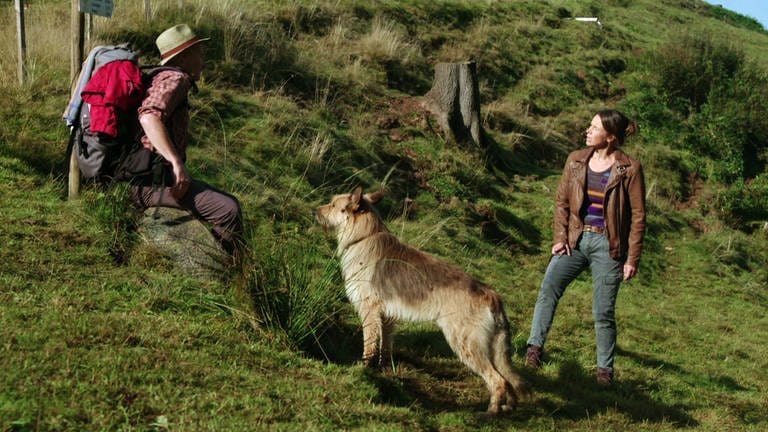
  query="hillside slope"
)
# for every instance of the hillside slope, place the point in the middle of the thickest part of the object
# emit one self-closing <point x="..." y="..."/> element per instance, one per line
<point x="303" y="100"/>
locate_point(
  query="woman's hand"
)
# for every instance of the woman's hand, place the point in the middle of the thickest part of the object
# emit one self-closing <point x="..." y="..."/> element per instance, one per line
<point x="561" y="248"/>
<point x="629" y="272"/>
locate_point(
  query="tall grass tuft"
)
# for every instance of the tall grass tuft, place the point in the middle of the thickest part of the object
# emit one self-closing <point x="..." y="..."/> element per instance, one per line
<point x="385" y="42"/>
<point x="111" y="210"/>
<point x="46" y="49"/>
<point x="255" y="51"/>
<point x="295" y="292"/>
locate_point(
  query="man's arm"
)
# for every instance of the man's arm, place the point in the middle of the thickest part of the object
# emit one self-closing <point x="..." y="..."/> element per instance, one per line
<point x="157" y="134"/>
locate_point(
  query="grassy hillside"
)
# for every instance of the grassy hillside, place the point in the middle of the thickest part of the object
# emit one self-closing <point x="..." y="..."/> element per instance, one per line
<point x="302" y="100"/>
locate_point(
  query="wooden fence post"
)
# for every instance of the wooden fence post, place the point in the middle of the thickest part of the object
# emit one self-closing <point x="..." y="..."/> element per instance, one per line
<point x="76" y="61"/>
<point x="22" y="38"/>
<point x="148" y="10"/>
<point x="88" y="28"/>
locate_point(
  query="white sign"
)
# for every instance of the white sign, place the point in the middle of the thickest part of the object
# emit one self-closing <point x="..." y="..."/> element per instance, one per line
<point x="589" y="19"/>
<point x="97" y="7"/>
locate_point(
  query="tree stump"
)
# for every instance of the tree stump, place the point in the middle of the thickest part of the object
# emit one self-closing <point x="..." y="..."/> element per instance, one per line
<point x="454" y="100"/>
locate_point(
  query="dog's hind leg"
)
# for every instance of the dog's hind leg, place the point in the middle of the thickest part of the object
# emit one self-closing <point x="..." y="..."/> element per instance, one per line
<point x="472" y="341"/>
<point x="517" y="387"/>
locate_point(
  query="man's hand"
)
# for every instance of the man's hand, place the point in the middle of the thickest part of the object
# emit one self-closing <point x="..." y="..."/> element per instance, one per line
<point x="181" y="180"/>
<point x="161" y="141"/>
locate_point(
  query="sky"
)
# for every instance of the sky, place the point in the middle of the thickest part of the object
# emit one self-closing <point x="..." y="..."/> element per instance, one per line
<point x="757" y="9"/>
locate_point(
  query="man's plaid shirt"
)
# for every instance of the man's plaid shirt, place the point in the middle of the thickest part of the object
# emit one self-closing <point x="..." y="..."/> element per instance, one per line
<point x="167" y="98"/>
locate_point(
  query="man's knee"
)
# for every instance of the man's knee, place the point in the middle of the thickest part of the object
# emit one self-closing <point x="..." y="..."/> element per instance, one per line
<point x="232" y="216"/>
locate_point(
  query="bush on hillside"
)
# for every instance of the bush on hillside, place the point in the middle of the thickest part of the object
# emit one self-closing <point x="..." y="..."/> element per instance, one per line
<point x="688" y="67"/>
<point x="745" y="202"/>
<point x="710" y="105"/>
<point x="732" y="128"/>
<point x="253" y="54"/>
<point x="736" y="19"/>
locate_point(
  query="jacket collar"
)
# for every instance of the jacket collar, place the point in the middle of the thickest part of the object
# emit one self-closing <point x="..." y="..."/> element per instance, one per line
<point x="618" y="171"/>
<point x="622" y="159"/>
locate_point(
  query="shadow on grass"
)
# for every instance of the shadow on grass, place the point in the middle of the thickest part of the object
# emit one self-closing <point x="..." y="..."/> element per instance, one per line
<point x="424" y="371"/>
<point x="722" y="381"/>
<point x="501" y="227"/>
<point x="402" y="381"/>
<point x="427" y="374"/>
<point x="428" y="352"/>
<point x="583" y="398"/>
<point x="341" y="344"/>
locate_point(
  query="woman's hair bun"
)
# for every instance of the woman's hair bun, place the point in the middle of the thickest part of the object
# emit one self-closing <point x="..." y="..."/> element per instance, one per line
<point x="631" y="129"/>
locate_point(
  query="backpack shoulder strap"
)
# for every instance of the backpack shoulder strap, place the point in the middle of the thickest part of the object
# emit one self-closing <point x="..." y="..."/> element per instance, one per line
<point x="149" y="72"/>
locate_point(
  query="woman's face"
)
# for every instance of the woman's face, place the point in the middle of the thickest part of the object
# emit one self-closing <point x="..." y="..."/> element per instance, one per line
<point x="597" y="136"/>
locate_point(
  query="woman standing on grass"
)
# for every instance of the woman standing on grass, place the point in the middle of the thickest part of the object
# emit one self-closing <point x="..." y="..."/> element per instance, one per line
<point x="599" y="223"/>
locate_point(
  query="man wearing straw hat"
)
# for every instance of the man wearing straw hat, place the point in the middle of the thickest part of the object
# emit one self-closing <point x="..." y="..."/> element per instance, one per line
<point x="164" y="119"/>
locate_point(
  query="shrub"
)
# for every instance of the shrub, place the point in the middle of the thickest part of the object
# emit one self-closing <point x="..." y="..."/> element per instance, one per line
<point x="732" y="128"/>
<point x="385" y="42"/>
<point x="253" y="53"/>
<point x="720" y="13"/>
<point x="710" y="101"/>
<point x="669" y="172"/>
<point x="688" y="67"/>
<point x="745" y="202"/>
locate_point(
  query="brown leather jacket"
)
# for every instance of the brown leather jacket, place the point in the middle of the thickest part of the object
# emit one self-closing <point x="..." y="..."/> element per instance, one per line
<point x="624" y="206"/>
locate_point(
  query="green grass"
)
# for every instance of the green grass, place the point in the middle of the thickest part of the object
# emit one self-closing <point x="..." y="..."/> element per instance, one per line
<point x="304" y="100"/>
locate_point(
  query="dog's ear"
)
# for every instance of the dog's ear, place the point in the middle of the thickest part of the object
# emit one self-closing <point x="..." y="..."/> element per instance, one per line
<point x="354" y="199"/>
<point x="375" y="197"/>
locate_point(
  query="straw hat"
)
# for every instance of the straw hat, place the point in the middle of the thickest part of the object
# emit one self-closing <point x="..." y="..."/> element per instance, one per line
<point x="175" y="40"/>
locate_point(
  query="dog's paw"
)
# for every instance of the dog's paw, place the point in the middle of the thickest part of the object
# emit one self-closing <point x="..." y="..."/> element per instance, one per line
<point x="508" y="408"/>
<point x="371" y="362"/>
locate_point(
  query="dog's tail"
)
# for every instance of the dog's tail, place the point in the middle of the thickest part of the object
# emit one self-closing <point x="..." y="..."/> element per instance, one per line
<point x="501" y="356"/>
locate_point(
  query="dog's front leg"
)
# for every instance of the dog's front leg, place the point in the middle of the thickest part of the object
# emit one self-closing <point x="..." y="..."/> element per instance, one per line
<point x="387" y="335"/>
<point x="373" y="328"/>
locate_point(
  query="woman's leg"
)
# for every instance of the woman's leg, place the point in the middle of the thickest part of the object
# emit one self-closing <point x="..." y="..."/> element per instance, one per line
<point x="607" y="275"/>
<point x="562" y="270"/>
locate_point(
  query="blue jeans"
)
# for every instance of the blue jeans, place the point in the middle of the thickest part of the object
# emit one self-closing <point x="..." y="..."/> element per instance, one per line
<point x="607" y="274"/>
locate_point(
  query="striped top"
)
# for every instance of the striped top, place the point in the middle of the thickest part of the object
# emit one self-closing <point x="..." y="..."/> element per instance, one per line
<point x="592" y="210"/>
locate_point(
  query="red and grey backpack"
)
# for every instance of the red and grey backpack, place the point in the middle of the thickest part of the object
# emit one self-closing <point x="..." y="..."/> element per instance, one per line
<point x="102" y="110"/>
<point x="102" y="115"/>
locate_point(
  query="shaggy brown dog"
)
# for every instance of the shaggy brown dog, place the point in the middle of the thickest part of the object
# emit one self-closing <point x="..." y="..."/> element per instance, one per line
<point x="387" y="280"/>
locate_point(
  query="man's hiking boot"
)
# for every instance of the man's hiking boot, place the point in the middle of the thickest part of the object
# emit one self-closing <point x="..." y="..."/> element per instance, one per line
<point x="533" y="356"/>
<point x="604" y="377"/>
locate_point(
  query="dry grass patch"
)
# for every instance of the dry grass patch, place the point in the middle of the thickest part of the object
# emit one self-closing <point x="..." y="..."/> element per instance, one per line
<point x="386" y="42"/>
